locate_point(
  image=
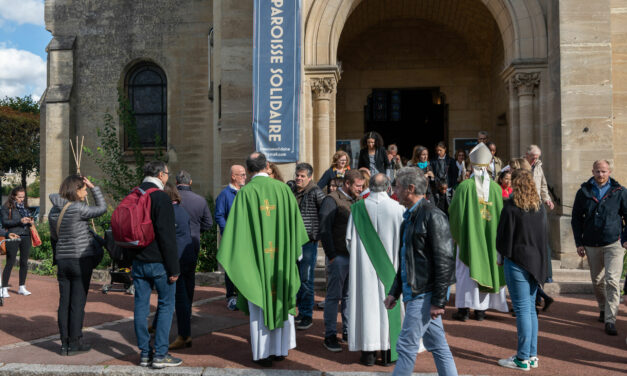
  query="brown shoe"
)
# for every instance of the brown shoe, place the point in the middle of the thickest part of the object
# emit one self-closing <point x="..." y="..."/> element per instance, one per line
<point x="180" y="342"/>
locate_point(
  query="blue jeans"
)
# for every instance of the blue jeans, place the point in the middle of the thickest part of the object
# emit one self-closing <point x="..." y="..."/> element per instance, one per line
<point x="522" y="291"/>
<point x="306" y="267"/>
<point x="337" y="291"/>
<point x="418" y="324"/>
<point x="145" y="276"/>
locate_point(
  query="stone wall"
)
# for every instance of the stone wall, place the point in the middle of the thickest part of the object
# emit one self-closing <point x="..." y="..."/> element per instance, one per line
<point x="111" y="37"/>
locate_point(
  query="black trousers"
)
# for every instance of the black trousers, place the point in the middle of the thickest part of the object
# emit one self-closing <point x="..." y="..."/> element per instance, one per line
<point x="185" y="285"/>
<point x="24" y="247"/>
<point x="230" y="287"/>
<point x="74" y="276"/>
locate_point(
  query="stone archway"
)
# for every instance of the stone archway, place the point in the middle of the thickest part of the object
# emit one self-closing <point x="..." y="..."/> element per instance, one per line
<point x="521" y="26"/>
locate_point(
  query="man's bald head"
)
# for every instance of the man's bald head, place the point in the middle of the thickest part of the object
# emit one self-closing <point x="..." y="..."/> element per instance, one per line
<point x="379" y="183"/>
<point x="601" y="163"/>
<point x="238" y="176"/>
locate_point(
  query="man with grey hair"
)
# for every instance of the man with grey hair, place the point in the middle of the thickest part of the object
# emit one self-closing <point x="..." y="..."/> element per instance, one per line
<point x="482" y="136"/>
<point x="426" y="271"/>
<point x="373" y="238"/>
<point x="533" y="157"/>
<point x="599" y="212"/>
<point x="395" y="161"/>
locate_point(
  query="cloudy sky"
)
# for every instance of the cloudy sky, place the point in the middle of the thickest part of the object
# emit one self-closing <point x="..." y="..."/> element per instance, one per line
<point x="23" y="41"/>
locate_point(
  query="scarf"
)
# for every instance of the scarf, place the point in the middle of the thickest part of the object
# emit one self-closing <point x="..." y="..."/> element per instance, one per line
<point x="154" y="180"/>
<point x="22" y="210"/>
<point x="423" y="165"/>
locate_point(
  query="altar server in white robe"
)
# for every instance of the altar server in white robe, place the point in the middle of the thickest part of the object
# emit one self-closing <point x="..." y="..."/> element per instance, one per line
<point x="368" y="328"/>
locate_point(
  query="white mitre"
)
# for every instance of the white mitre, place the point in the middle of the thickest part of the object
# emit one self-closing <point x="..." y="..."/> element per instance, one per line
<point x="480" y="158"/>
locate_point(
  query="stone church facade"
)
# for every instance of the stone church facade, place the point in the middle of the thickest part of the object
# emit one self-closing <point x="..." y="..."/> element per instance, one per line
<point x="548" y="72"/>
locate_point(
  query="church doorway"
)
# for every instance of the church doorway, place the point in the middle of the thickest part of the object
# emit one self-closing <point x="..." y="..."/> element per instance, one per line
<point x="407" y="117"/>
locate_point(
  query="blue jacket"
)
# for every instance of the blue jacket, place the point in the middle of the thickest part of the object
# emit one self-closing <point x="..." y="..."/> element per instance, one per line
<point x="184" y="243"/>
<point x="223" y="206"/>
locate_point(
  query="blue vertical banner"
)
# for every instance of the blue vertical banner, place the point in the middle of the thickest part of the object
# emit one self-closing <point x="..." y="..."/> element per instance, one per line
<point x="276" y="78"/>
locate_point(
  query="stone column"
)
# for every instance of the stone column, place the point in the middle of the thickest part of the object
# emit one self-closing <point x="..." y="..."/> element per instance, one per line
<point x="322" y="88"/>
<point x="525" y="83"/>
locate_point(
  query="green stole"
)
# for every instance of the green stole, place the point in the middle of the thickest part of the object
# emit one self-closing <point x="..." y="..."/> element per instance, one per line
<point x="382" y="265"/>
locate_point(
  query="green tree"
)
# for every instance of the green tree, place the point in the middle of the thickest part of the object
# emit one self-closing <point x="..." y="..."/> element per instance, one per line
<point x="21" y="104"/>
<point x="19" y="143"/>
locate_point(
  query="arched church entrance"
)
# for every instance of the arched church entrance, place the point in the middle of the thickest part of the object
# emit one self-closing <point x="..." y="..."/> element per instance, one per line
<point x="419" y="73"/>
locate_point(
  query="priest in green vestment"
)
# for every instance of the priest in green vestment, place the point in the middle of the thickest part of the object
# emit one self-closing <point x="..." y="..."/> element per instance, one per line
<point x="474" y="217"/>
<point x="259" y="249"/>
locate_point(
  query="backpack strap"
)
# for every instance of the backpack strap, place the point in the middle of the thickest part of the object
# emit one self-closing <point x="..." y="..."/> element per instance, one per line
<point x="67" y="205"/>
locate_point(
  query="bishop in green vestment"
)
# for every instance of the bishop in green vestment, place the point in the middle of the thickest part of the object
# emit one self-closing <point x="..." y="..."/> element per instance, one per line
<point x="259" y="249"/>
<point x="474" y="217"/>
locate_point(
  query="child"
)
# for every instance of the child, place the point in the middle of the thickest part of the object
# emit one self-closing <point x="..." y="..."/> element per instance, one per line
<point x="505" y="181"/>
<point x="443" y="195"/>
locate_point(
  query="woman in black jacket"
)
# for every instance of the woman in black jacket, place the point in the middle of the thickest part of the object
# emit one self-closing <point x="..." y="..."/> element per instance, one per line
<point x="16" y="219"/>
<point x="373" y="155"/>
<point x="76" y="252"/>
<point x="521" y="240"/>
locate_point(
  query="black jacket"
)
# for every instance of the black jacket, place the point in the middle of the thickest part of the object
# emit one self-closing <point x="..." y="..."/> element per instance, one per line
<point x="309" y="203"/>
<point x="381" y="161"/>
<point x="429" y="254"/>
<point x="12" y="221"/>
<point x="75" y="239"/>
<point x="522" y="238"/>
<point x="164" y="248"/>
<point x="598" y="223"/>
<point x="445" y="169"/>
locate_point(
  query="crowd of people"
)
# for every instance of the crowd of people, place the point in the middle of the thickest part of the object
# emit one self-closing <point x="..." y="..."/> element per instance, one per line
<point x="396" y="235"/>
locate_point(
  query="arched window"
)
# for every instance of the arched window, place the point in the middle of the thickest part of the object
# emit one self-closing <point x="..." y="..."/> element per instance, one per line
<point x="147" y="92"/>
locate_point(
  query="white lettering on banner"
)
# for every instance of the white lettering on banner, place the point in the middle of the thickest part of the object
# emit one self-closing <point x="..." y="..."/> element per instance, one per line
<point x="276" y="78"/>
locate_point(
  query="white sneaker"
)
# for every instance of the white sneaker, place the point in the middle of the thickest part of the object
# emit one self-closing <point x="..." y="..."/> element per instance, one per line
<point x="533" y="362"/>
<point x="5" y="292"/>
<point x="515" y="363"/>
<point x="23" y="291"/>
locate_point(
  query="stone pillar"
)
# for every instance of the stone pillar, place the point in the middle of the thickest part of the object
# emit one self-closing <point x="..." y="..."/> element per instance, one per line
<point x="514" y="128"/>
<point x="525" y="83"/>
<point x="56" y="132"/>
<point x="322" y="88"/>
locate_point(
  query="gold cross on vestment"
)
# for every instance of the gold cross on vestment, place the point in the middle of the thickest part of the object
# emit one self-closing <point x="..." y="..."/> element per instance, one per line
<point x="485" y="213"/>
<point x="267" y="207"/>
<point x="270" y="250"/>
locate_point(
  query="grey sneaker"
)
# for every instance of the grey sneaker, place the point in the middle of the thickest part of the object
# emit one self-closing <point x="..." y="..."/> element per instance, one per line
<point x="166" y="361"/>
<point x="332" y="344"/>
<point x="145" y="361"/>
<point x="515" y="363"/>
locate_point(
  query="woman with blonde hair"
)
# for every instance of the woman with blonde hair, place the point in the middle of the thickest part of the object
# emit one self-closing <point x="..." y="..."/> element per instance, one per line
<point x="339" y="166"/>
<point x="521" y="241"/>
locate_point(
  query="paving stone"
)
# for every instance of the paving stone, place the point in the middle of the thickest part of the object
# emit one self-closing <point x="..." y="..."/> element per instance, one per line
<point x="256" y="372"/>
<point x="20" y="369"/>
<point x="140" y="371"/>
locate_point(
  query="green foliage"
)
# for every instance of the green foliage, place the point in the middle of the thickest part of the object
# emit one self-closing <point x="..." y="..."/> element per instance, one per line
<point x="207" y="260"/>
<point x="19" y="144"/>
<point x="119" y="176"/>
<point x="33" y="189"/>
<point x="23" y="104"/>
<point x="44" y="251"/>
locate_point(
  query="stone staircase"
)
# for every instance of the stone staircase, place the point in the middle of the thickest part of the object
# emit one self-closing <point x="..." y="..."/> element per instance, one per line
<point x="565" y="281"/>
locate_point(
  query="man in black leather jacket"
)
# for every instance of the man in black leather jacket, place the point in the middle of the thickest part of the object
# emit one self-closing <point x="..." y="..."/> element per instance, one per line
<point x="426" y="271"/>
<point x="309" y="197"/>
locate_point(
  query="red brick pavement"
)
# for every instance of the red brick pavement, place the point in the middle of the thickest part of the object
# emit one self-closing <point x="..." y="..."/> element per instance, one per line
<point x="571" y="341"/>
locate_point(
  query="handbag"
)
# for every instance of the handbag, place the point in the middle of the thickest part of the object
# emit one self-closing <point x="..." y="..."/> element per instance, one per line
<point x="3" y="246"/>
<point x="34" y="235"/>
<point x="99" y="244"/>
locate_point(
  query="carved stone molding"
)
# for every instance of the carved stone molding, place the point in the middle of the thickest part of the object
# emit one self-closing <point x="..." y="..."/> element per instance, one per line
<point x="526" y="82"/>
<point x="322" y="87"/>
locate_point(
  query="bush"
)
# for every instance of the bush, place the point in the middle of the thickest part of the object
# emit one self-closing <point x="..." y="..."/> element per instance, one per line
<point x="33" y="189"/>
<point x="207" y="258"/>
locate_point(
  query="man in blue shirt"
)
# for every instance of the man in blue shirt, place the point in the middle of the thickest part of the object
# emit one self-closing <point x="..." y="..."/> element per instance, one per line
<point x="599" y="211"/>
<point x="426" y="271"/>
<point x="224" y="201"/>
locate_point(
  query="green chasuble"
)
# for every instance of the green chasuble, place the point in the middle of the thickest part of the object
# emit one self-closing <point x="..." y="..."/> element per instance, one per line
<point x="260" y="245"/>
<point x="473" y="226"/>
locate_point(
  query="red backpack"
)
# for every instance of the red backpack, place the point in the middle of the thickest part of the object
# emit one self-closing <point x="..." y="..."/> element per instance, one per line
<point x="130" y="221"/>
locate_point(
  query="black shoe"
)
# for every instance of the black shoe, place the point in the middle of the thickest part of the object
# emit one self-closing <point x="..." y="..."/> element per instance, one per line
<point x="298" y="318"/>
<point x="461" y="314"/>
<point x="277" y="358"/>
<point x="77" y="348"/>
<point x="167" y="361"/>
<point x="332" y="344"/>
<point x="386" y="359"/>
<point x="64" y="346"/>
<point x="480" y="315"/>
<point x="367" y="358"/>
<point x="610" y="329"/>
<point x="305" y="323"/>
<point x="601" y="316"/>
<point x="265" y="362"/>
<point x="345" y="336"/>
<point x="547" y="303"/>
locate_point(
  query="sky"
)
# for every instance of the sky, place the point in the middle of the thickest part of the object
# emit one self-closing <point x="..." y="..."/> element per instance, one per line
<point x="23" y="41"/>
